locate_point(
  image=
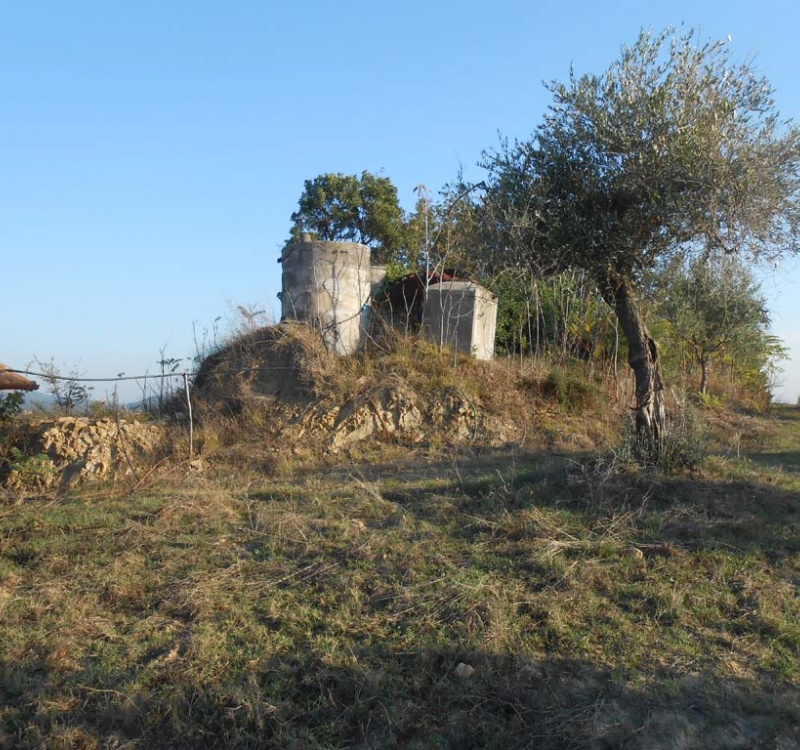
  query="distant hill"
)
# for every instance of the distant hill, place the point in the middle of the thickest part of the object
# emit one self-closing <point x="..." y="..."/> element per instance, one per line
<point x="44" y="402"/>
<point x="36" y="400"/>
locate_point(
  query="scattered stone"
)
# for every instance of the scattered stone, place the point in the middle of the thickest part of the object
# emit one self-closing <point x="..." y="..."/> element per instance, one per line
<point x="634" y="553"/>
<point x="464" y="671"/>
<point x="197" y="465"/>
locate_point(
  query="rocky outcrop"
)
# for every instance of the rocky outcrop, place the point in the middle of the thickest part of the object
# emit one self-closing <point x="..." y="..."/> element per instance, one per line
<point x="397" y="413"/>
<point x="72" y="450"/>
<point x="384" y="412"/>
<point x="394" y="412"/>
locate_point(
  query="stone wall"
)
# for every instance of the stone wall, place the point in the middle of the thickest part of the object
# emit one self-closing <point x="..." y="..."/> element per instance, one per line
<point x="72" y="450"/>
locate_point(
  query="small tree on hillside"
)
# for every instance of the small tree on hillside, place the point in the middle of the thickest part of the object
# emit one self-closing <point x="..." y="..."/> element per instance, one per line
<point x="675" y="149"/>
<point x="713" y="308"/>
<point x="68" y="390"/>
<point x="350" y="208"/>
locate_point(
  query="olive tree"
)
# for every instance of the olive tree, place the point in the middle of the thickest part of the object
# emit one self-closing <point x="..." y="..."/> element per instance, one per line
<point x="675" y="149"/>
<point x="711" y="308"/>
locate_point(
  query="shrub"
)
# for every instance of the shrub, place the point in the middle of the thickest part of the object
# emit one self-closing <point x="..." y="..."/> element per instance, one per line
<point x="682" y="447"/>
<point x="29" y="472"/>
<point x="570" y="390"/>
<point x="10" y="407"/>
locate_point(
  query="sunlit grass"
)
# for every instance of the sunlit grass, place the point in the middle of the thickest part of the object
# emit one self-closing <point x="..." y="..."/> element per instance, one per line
<point x="332" y="607"/>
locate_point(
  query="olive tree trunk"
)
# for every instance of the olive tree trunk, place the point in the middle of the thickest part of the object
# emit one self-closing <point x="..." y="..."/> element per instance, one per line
<point x="651" y="415"/>
<point x="704" y="367"/>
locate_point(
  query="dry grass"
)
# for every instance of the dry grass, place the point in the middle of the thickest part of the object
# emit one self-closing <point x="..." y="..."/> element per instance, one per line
<point x="322" y="605"/>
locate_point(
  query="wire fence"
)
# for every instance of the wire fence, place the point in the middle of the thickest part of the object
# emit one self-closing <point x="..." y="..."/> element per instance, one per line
<point x="148" y="376"/>
<point x="184" y="376"/>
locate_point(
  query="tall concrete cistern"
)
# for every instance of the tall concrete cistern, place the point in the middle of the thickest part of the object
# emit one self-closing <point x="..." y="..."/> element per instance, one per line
<point x="327" y="284"/>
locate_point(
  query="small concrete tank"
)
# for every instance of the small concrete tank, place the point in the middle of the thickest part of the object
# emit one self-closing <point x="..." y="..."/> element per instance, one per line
<point x="327" y="285"/>
<point x="463" y="315"/>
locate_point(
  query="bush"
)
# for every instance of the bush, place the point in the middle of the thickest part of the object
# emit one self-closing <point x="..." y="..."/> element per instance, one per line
<point x="570" y="390"/>
<point x="682" y="447"/>
<point x="10" y="407"/>
<point x="26" y="472"/>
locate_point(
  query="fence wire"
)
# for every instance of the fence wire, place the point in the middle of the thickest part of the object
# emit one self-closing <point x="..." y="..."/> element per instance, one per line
<point x="184" y="375"/>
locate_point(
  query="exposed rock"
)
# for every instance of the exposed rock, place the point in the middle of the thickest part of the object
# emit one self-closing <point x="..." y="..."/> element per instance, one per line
<point x="79" y="449"/>
<point x="285" y="376"/>
<point x="385" y="412"/>
<point x="396" y="412"/>
<point x="293" y="396"/>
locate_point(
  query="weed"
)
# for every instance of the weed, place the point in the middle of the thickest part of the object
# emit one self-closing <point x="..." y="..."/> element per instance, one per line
<point x="415" y="597"/>
<point x="68" y="390"/>
<point x="332" y="606"/>
<point x="28" y="473"/>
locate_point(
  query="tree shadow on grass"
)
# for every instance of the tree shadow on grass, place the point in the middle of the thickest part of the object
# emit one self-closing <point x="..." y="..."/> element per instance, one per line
<point x="371" y="697"/>
<point x="697" y="512"/>
<point x="485" y="464"/>
<point x="788" y="461"/>
<point x="744" y="515"/>
<point x="739" y="515"/>
<point x="401" y="686"/>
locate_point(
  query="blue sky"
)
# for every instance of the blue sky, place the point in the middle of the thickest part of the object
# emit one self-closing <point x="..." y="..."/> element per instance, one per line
<point x="151" y="153"/>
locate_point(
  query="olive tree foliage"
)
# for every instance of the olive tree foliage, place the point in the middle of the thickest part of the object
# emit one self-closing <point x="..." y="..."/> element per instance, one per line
<point x="676" y="149"/>
<point x="713" y="309"/>
<point x="352" y="208"/>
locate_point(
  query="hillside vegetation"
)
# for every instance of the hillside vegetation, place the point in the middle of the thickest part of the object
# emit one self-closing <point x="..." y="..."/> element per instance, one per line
<point x="488" y="574"/>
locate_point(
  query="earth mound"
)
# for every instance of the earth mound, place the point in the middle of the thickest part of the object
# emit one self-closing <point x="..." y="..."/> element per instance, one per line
<point x="281" y="382"/>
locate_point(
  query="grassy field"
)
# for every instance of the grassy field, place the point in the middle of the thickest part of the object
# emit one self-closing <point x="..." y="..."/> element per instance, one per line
<point x="479" y="599"/>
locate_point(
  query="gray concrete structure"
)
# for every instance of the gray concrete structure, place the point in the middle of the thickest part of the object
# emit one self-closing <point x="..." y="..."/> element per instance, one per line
<point x="461" y="314"/>
<point x="327" y="284"/>
<point x="377" y="275"/>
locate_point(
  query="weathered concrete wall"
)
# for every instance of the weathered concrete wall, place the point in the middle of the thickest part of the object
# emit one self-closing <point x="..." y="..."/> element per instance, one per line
<point x="327" y="285"/>
<point x="463" y="315"/>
